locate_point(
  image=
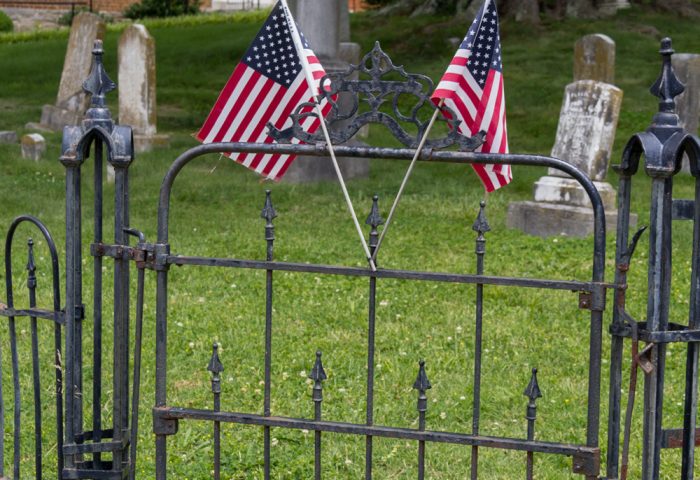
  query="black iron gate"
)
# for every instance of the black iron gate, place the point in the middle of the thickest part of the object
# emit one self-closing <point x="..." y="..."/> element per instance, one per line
<point x="107" y="452"/>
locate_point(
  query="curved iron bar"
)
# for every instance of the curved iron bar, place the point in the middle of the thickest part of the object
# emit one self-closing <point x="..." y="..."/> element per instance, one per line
<point x="428" y="154"/>
<point x="375" y="92"/>
<point x="13" y="346"/>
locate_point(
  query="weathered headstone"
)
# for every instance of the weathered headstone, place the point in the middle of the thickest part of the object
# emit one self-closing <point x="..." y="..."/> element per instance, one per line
<point x="585" y="137"/>
<point x="137" y="87"/>
<point x="321" y="21"/>
<point x="33" y="146"/>
<point x="594" y="58"/>
<point x="71" y="101"/>
<point x="8" y="136"/>
<point x="610" y="7"/>
<point x="687" y="69"/>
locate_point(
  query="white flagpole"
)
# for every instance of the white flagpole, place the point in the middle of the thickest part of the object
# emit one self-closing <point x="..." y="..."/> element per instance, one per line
<point x="312" y="85"/>
<point x="413" y="162"/>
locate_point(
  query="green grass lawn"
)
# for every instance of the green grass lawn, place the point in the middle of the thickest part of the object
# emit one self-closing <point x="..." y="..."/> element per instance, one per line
<point x="216" y="207"/>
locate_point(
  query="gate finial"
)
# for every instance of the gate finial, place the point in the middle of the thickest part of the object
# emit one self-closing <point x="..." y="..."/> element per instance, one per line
<point x="31" y="265"/>
<point x="268" y="212"/>
<point x="374" y="219"/>
<point x="481" y="224"/>
<point x="422" y="383"/>
<point x="98" y="83"/>
<point x="318" y="374"/>
<point x="667" y="86"/>
<point x="533" y="391"/>
<point x="215" y="366"/>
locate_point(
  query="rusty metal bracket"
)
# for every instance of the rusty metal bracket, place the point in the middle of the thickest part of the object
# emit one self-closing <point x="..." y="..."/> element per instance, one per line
<point x="643" y="359"/>
<point x="163" y="425"/>
<point x="588" y="465"/>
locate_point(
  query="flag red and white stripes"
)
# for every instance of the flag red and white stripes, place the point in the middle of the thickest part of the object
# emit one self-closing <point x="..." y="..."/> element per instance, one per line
<point x="472" y="87"/>
<point x="266" y="86"/>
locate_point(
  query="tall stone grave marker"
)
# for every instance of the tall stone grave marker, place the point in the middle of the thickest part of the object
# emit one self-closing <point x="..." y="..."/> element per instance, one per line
<point x="585" y="137"/>
<point x="322" y="24"/>
<point x="72" y="102"/>
<point x="137" y="87"/>
<point x="594" y="58"/>
<point x="687" y="68"/>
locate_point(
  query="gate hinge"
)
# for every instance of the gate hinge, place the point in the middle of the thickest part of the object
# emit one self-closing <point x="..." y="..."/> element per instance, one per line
<point x="163" y="425"/>
<point x="594" y="300"/>
<point x="587" y="464"/>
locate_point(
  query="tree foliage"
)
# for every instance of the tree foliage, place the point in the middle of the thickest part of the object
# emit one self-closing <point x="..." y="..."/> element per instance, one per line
<point x="524" y="10"/>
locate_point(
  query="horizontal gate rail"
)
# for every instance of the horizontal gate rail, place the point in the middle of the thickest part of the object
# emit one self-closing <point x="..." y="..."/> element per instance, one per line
<point x="584" y="455"/>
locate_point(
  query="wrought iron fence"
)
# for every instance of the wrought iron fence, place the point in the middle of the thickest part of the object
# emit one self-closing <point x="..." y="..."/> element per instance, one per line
<point x="109" y="451"/>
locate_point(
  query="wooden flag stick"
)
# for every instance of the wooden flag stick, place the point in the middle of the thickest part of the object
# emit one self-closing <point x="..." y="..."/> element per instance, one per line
<point x="312" y="85"/>
<point x="421" y="144"/>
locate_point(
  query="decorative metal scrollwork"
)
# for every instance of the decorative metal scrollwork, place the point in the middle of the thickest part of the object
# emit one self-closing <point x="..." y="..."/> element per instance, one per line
<point x="346" y="117"/>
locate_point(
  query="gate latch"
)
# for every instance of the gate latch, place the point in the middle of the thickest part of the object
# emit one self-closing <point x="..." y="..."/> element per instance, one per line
<point x="585" y="300"/>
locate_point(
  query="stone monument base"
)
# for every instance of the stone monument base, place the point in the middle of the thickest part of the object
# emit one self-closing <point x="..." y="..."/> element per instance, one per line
<point x="54" y="118"/>
<point x="554" y="189"/>
<point x="146" y="143"/>
<point x="314" y="169"/>
<point x="549" y="219"/>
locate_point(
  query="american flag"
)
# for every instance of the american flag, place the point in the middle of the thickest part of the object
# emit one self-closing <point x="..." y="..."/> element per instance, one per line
<point x="266" y="86"/>
<point x="472" y="87"/>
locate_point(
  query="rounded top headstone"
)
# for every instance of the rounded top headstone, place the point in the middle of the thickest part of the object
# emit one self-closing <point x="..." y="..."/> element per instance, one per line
<point x="594" y="58"/>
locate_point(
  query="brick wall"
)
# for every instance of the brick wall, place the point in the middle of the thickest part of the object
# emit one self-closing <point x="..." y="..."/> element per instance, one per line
<point x="118" y="6"/>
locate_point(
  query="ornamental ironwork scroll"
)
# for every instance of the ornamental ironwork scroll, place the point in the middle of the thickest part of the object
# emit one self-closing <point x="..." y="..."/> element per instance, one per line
<point x="373" y="84"/>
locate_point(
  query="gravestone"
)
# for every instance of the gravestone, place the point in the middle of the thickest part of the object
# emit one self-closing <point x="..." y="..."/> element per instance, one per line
<point x="610" y="7"/>
<point x="137" y="87"/>
<point x="323" y="24"/>
<point x="8" y="136"/>
<point x="594" y="58"/>
<point x="687" y="69"/>
<point x="71" y="101"/>
<point x="584" y="138"/>
<point x="33" y="146"/>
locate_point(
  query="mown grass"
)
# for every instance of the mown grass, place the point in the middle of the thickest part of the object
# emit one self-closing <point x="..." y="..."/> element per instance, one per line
<point x="215" y="212"/>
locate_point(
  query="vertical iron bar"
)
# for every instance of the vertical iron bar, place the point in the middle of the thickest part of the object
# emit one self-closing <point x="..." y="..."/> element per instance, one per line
<point x="532" y="392"/>
<point x="16" y="391"/>
<point x="373" y="220"/>
<point x="71" y="360"/>
<point x="422" y="384"/>
<point x="215" y="367"/>
<point x="617" y="343"/>
<point x="318" y="375"/>
<point x="31" y="285"/>
<point x="161" y="361"/>
<point x="121" y="313"/>
<point x="97" y="309"/>
<point x="138" y="335"/>
<point x="480" y="226"/>
<point x="659" y="281"/>
<point x="268" y="213"/>
<point x="691" y="369"/>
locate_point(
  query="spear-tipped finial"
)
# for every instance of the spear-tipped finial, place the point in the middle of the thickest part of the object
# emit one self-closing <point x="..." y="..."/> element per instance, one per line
<point x="481" y="224"/>
<point x="268" y="212"/>
<point x="533" y="391"/>
<point x="98" y="83"/>
<point x="667" y="86"/>
<point x="31" y="265"/>
<point x="318" y="374"/>
<point x="215" y="366"/>
<point x="374" y="219"/>
<point x="422" y="383"/>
